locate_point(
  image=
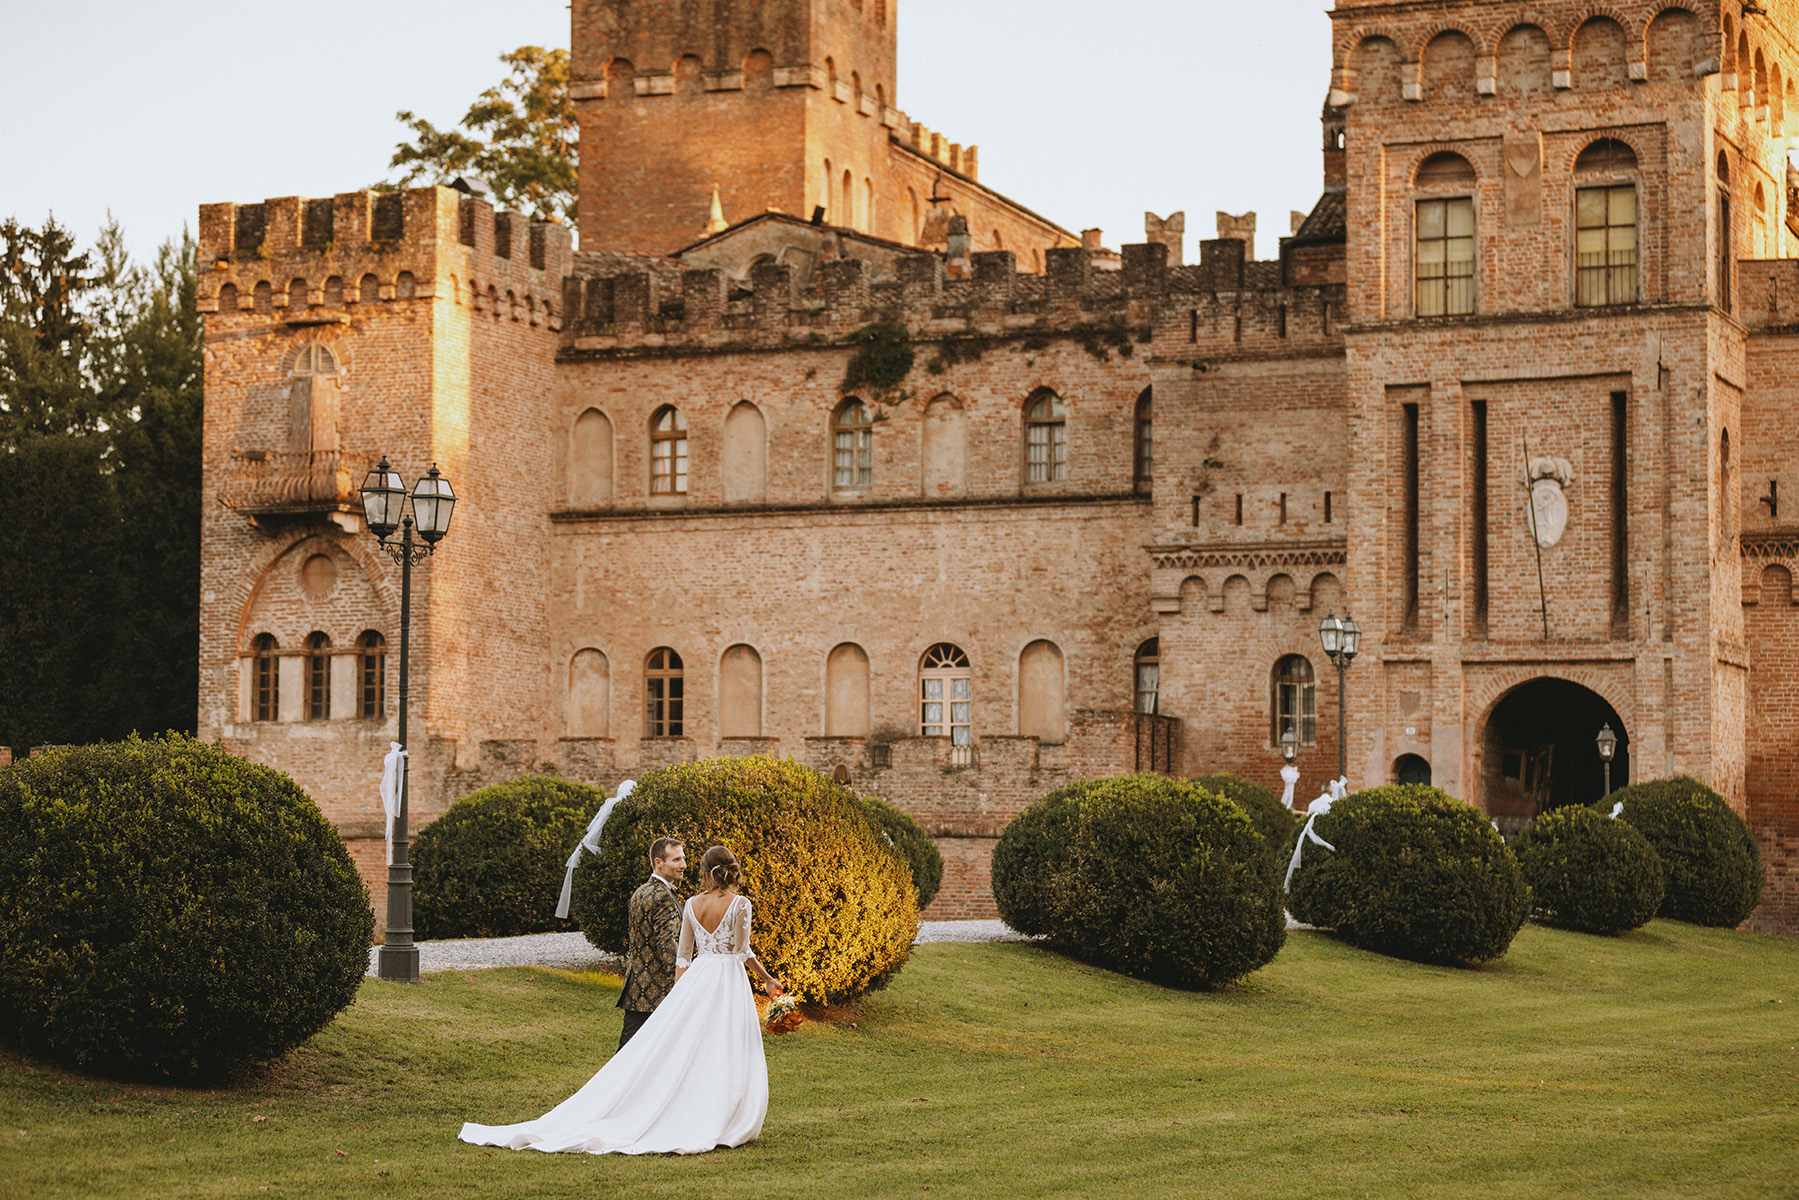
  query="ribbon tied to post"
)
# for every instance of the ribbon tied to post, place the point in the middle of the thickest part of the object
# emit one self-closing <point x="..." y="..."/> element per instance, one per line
<point x="1314" y="810"/>
<point x="393" y="770"/>
<point x="590" y="844"/>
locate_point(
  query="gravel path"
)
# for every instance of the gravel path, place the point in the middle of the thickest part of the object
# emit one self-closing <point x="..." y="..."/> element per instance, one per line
<point x="572" y="952"/>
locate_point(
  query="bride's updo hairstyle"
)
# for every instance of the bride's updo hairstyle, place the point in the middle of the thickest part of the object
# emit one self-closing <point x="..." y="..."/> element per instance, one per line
<point x="719" y="866"/>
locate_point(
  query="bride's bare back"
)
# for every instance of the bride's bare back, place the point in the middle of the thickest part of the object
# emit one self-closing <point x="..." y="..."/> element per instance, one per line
<point x="709" y="907"/>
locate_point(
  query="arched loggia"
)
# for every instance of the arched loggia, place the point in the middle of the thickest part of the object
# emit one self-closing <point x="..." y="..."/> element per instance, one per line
<point x="1539" y="751"/>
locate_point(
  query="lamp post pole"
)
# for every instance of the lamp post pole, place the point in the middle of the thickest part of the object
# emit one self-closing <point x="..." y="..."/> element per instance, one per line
<point x="1608" y="746"/>
<point x="384" y="504"/>
<point x="1342" y="640"/>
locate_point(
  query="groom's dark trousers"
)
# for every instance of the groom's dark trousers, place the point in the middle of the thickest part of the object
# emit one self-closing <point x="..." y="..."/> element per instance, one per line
<point x="655" y="927"/>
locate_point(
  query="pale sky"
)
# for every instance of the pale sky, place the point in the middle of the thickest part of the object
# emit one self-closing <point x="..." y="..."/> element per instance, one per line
<point x="1089" y="112"/>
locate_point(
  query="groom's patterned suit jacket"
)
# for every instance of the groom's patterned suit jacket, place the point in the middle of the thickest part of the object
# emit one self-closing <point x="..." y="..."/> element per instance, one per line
<point x="655" y="925"/>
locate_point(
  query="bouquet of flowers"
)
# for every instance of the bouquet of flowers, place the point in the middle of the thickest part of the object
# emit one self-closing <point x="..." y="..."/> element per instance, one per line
<point x="783" y="1014"/>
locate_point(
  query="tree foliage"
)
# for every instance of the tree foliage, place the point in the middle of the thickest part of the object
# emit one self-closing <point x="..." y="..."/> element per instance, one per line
<point x="100" y="405"/>
<point x="520" y="136"/>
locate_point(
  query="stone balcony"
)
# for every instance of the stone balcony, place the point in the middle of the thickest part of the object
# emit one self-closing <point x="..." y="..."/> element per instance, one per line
<point x="295" y="484"/>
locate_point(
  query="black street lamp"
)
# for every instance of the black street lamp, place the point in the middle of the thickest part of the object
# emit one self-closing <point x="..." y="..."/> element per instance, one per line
<point x="1608" y="746"/>
<point x="1342" y="640"/>
<point x="384" y="507"/>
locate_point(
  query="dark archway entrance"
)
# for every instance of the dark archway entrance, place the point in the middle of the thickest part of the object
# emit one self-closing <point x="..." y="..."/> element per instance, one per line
<point x="1411" y="768"/>
<point x="1538" y="750"/>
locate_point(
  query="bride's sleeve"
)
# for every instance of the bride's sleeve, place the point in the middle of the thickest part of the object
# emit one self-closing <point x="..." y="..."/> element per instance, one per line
<point x="742" y="933"/>
<point x="684" y="948"/>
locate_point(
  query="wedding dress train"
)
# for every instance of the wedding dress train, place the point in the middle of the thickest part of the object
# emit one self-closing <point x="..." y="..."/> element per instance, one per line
<point x="693" y="1078"/>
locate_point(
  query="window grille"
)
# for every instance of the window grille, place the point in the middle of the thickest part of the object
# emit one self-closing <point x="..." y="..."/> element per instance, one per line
<point x="1445" y="264"/>
<point x="318" y="677"/>
<point x="268" y="678"/>
<point x="1605" y="246"/>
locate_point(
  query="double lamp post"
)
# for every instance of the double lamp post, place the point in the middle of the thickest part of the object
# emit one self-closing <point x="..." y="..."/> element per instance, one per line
<point x="384" y="508"/>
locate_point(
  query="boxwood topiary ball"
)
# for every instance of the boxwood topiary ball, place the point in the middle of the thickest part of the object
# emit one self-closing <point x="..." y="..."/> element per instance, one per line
<point x="835" y="909"/>
<point x="1416" y="873"/>
<point x="492" y="865"/>
<point x="1711" y="866"/>
<point x="171" y="911"/>
<point x="1589" y="872"/>
<point x="1277" y="823"/>
<point x="910" y="842"/>
<point x="1146" y="875"/>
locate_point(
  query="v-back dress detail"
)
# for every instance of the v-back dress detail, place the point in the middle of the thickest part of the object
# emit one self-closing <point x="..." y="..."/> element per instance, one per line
<point x="693" y="1078"/>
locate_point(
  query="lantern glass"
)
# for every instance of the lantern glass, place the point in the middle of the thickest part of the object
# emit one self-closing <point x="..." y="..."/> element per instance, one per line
<point x="1289" y="745"/>
<point x="1607" y="741"/>
<point x="383" y="499"/>
<point x="1330" y="632"/>
<point x="1352" y="636"/>
<point x="432" y="502"/>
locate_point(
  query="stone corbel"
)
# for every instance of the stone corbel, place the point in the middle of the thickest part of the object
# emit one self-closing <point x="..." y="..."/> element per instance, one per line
<point x="1411" y="82"/>
<point x="1561" y="69"/>
<point x="587" y="89"/>
<point x="1638" y="70"/>
<point x="723" y="81"/>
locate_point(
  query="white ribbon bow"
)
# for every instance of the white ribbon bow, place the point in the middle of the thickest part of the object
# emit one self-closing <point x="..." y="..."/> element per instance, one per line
<point x="1315" y="809"/>
<point x="1617" y="810"/>
<point x="393" y="767"/>
<point x="590" y="844"/>
<point x="1290" y="773"/>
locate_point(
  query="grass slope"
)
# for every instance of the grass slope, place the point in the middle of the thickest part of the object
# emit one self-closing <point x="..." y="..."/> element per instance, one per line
<point x="1657" y="1064"/>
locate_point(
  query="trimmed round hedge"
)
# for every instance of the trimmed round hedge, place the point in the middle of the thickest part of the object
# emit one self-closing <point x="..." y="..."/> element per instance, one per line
<point x="1711" y="866"/>
<point x="1145" y="875"/>
<point x="1277" y="823"/>
<point x="171" y="911"/>
<point x="910" y="842"/>
<point x="492" y="866"/>
<point x="1416" y="873"/>
<point x="1589" y="872"/>
<point x="835" y="908"/>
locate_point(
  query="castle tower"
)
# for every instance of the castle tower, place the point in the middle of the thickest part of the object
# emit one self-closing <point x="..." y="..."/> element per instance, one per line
<point x="1546" y="209"/>
<point x="754" y="96"/>
<point x="420" y="325"/>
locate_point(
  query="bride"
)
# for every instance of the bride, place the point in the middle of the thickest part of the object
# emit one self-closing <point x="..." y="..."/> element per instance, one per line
<point x="694" y="1078"/>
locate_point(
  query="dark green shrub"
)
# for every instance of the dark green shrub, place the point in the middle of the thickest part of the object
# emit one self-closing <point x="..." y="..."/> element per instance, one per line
<point x="1589" y="872"/>
<point x="1711" y="866"/>
<point x="1145" y="875"/>
<point x="910" y="842"/>
<point x="1277" y="823"/>
<point x="1416" y="873"/>
<point x="835" y="909"/>
<point x="492" y="865"/>
<point x="170" y="911"/>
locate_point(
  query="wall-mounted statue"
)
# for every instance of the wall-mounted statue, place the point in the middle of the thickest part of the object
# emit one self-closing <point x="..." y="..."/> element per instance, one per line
<point x="1547" y="507"/>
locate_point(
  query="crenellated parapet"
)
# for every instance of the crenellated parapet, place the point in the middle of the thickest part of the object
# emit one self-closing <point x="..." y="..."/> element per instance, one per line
<point x="313" y="260"/>
<point x="1222" y="305"/>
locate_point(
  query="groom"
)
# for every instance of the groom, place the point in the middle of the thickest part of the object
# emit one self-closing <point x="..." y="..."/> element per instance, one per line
<point x="655" y="925"/>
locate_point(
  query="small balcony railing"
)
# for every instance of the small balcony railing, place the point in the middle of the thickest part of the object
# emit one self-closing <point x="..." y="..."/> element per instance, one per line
<point x="295" y="481"/>
<point x="1158" y="743"/>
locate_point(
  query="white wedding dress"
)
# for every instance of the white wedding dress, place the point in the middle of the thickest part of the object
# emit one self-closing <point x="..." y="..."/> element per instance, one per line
<point x="693" y="1078"/>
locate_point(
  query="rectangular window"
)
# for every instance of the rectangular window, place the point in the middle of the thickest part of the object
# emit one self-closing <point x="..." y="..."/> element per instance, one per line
<point x="1605" y="245"/>
<point x="268" y="688"/>
<point x="855" y="457"/>
<point x="663" y="718"/>
<point x="318" y="686"/>
<point x="1148" y="684"/>
<point x="936" y="718"/>
<point x="1046" y="451"/>
<point x="1327" y="508"/>
<point x="374" y="683"/>
<point x="1239" y="508"/>
<point x="1620" y="517"/>
<point x="1445" y="268"/>
<point x="668" y="467"/>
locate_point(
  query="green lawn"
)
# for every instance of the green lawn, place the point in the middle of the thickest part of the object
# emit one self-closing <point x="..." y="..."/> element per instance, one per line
<point x="1659" y="1064"/>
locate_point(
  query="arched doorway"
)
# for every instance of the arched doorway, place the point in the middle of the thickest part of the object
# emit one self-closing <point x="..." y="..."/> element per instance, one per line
<point x="1538" y="751"/>
<point x="1411" y="768"/>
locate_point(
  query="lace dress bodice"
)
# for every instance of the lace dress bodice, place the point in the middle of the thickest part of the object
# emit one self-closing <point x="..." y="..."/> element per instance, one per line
<point x="731" y="939"/>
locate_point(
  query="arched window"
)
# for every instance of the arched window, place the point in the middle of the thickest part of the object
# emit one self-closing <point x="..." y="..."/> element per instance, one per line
<point x="1295" y="700"/>
<point x="1149" y="677"/>
<point x="296" y="294"/>
<point x="1605" y="225"/>
<point x="847" y="214"/>
<point x="267" y="683"/>
<point x="740" y="693"/>
<point x="371" y="674"/>
<point x="1444" y="260"/>
<point x="1142" y="469"/>
<point x="668" y="453"/>
<point x="662" y="693"/>
<point x="228" y="298"/>
<point x="318" y="677"/>
<point x="1045" y="439"/>
<point x="846" y="692"/>
<point x="852" y="445"/>
<point x="589" y="695"/>
<point x="334" y="290"/>
<point x="1726" y="235"/>
<point x="743" y="459"/>
<point x="1042" y="694"/>
<point x="590" y="460"/>
<point x="262" y="297"/>
<point x="946" y="695"/>
<point x="369" y="290"/>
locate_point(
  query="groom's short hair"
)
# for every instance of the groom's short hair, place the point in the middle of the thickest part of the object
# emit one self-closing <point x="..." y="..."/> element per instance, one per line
<point x="660" y="847"/>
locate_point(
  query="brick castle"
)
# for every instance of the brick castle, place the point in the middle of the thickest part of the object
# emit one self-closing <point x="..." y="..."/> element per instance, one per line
<point x="1517" y="393"/>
